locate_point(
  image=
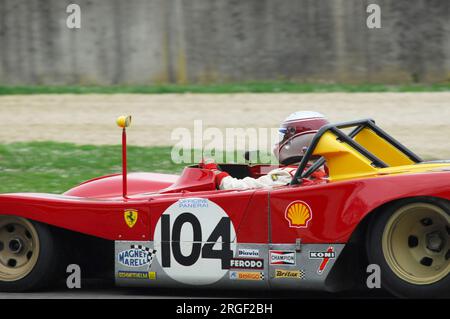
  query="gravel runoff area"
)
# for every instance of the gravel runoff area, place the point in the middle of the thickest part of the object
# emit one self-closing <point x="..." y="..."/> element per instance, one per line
<point x="420" y="120"/>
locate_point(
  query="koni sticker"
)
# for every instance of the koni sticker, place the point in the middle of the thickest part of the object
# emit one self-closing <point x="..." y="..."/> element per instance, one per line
<point x="131" y="217"/>
<point x="298" y="214"/>
<point x="325" y="256"/>
<point x="282" y="257"/>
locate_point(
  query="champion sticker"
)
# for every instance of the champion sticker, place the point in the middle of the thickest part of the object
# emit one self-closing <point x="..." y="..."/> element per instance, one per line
<point x="282" y="257"/>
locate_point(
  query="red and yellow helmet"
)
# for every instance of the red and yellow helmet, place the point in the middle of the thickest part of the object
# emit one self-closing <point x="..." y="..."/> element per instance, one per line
<point x="296" y="133"/>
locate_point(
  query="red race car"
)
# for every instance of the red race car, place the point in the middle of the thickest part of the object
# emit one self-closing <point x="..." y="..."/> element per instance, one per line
<point x="379" y="204"/>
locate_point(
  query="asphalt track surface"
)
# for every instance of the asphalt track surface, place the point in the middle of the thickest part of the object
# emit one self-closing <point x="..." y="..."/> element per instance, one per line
<point x="94" y="289"/>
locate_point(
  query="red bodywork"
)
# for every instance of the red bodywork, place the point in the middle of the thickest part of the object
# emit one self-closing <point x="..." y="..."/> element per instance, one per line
<point x="97" y="207"/>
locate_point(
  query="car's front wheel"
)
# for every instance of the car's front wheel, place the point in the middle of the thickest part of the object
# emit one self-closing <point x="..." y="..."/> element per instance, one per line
<point x="410" y="242"/>
<point x="28" y="254"/>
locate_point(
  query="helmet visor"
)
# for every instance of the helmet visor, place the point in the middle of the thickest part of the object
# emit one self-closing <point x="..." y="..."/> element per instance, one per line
<point x="281" y="133"/>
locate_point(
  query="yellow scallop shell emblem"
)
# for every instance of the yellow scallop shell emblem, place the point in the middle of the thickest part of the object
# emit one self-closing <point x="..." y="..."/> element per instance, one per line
<point x="298" y="214"/>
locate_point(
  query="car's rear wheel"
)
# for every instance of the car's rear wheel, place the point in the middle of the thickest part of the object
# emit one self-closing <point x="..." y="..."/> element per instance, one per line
<point x="410" y="242"/>
<point x="28" y="254"/>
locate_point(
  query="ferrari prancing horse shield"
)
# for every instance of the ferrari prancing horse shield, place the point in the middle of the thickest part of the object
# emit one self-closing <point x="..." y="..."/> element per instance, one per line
<point x="131" y="216"/>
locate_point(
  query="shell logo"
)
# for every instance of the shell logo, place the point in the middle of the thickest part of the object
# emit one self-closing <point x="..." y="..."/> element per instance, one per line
<point x="298" y="214"/>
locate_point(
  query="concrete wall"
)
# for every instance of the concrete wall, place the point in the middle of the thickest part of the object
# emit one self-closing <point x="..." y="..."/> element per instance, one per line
<point x="191" y="41"/>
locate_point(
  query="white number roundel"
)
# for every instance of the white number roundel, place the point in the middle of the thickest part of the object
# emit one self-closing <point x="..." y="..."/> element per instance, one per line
<point x="196" y="240"/>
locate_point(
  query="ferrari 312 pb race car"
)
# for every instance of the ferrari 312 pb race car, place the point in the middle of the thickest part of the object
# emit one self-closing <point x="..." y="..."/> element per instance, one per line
<point x="379" y="204"/>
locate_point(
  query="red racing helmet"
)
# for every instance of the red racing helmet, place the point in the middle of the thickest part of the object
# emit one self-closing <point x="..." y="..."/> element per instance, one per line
<point x="296" y="133"/>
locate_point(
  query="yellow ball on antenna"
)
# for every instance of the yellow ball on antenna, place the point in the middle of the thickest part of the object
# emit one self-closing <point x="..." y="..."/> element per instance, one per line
<point x="124" y="121"/>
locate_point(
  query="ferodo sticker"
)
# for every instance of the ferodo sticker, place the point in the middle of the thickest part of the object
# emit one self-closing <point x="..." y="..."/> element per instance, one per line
<point x="241" y="263"/>
<point x="197" y="240"/>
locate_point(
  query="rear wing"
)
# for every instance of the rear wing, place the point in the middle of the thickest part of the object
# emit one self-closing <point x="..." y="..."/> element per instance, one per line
<point x="363" y="151"/>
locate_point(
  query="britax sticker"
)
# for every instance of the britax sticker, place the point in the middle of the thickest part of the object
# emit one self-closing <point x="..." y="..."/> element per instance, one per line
<point x="136" y="256"/>
<point x="282" y="257"/>
<point x="241" y="263"/>
<point x="249" y="253"/>
<point x="289" y="274"/>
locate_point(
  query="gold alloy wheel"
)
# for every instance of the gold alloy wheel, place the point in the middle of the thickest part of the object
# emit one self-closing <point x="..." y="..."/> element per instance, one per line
<point x="19" y="248"/>
<point x="416" y="243"/>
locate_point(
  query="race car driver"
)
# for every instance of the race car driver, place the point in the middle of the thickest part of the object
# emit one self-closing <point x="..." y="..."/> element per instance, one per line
<point x="296" y="133"/>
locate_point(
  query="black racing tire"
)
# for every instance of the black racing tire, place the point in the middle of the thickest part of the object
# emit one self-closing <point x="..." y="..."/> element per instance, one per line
<point x="402" y="281"/>
<point x="43" y="271"/>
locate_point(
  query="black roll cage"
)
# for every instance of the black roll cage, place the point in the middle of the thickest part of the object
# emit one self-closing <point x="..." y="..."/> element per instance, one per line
<point x="348" y="138"/>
